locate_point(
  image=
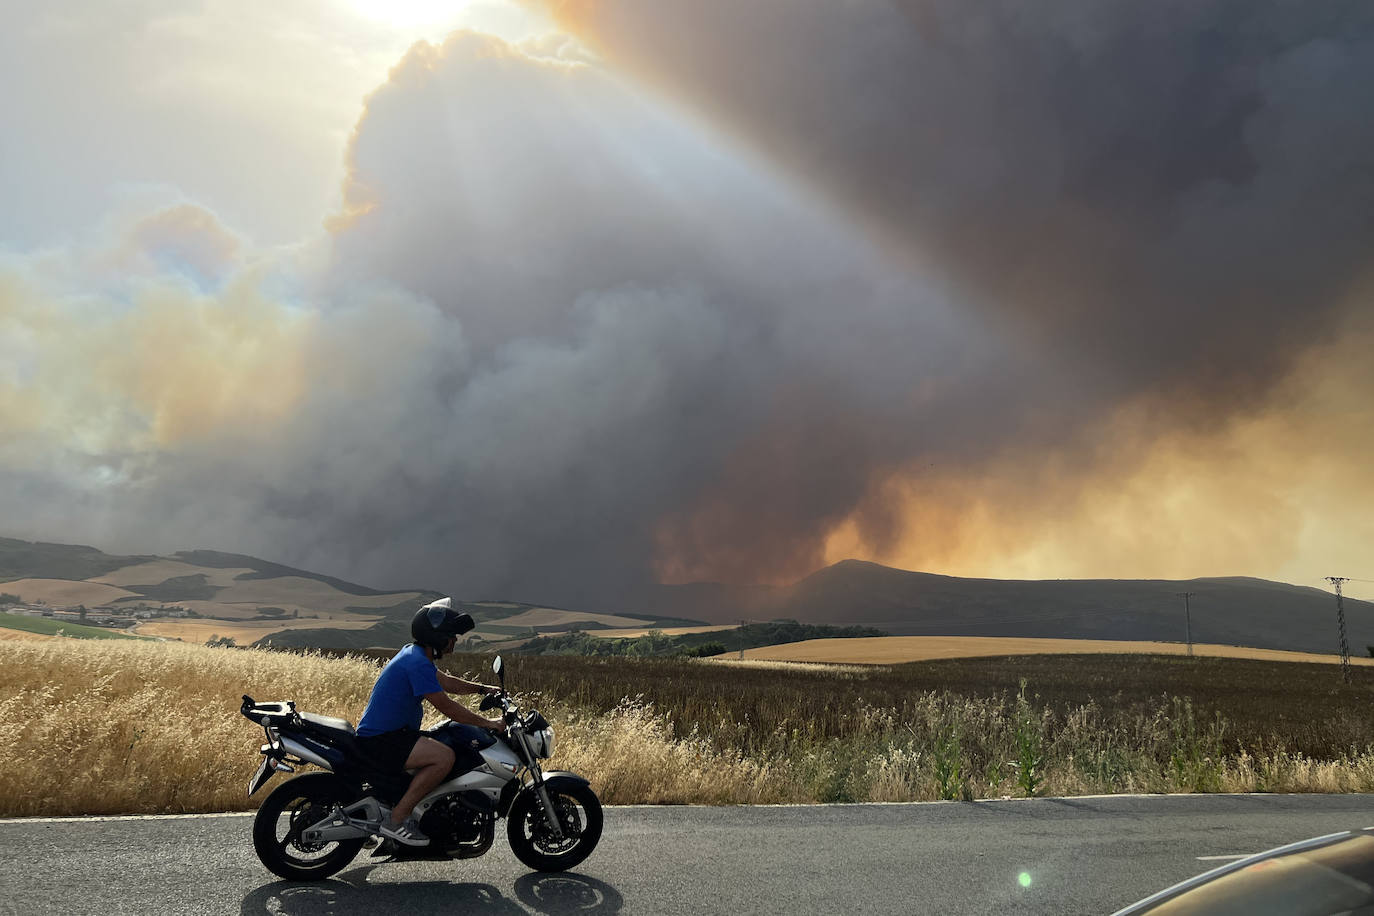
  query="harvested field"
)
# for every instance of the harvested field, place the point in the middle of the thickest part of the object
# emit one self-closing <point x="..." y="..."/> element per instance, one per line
<point x="636" y="632"/>
<point x="296" y="591"/>
<point x="241" y="631"/>
<point x="221" y="610"/>
<point x="890" y="650"/>
<point x="64" y="593"/>
<point x="158" y="571"/>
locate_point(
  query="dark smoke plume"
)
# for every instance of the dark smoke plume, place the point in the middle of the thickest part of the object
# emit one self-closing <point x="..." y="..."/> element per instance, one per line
<point x="1170" y="194"/>
<point x="570" y="336"/>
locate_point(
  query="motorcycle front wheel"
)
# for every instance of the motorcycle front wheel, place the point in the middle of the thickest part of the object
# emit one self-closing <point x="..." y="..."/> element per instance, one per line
<point x="533" y="842"/>
<point x="293" y="806"/>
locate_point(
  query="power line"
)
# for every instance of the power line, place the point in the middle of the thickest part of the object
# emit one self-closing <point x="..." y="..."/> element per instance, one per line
<point x="1188" y="619"/>
<point x="1340" y="616"/>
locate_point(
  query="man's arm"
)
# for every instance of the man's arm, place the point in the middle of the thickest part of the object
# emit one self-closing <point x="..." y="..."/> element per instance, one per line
<point x="457" y="685"/>
<point x="460" y="713"/>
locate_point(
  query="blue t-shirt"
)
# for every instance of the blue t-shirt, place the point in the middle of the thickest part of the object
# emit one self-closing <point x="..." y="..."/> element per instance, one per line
<point x="395" y="701"/>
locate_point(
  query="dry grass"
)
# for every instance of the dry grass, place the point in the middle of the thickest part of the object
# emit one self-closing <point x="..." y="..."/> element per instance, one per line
<point x="632" y="756"/>
<point x="7" y="633"/>
<point x="889" y="650"/>
<point x="136" y="727"/>
<point x="154" y="727"/>
<point x="825" y="669"/>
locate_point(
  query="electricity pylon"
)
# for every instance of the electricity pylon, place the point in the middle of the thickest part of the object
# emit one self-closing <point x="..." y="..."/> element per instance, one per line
<point x="1340" y="617"/>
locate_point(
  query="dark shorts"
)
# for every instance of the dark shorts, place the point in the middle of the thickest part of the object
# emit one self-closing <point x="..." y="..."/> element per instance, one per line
<point x="466" y="741"/>
<point x="389" y="751"/>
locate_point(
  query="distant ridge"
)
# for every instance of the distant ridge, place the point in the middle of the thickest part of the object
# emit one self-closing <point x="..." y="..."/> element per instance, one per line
<point x="257" y="600"/>
<point x="1228" y="610"/>
<point x="42" y="560"/>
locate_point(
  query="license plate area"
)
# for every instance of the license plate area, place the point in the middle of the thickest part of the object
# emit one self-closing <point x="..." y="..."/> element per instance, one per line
<point x="261" y="776"/>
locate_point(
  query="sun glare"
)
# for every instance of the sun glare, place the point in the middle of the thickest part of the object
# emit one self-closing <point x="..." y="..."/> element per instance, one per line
<point x="409" y="13"/>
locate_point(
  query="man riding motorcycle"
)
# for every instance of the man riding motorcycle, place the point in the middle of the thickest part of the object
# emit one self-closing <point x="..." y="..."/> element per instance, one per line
<point x="389" y="730"/>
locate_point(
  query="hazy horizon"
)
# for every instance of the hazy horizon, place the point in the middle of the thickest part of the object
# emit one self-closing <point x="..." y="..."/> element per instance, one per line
<point x="1354" y="584"/>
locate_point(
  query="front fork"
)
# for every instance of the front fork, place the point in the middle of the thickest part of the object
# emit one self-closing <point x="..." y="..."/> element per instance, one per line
<point x="537" y="778"/>
<point x="549" y="814"/>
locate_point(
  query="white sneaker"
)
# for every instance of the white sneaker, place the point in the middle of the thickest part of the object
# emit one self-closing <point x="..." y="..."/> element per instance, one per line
<point x="407" y="832"/>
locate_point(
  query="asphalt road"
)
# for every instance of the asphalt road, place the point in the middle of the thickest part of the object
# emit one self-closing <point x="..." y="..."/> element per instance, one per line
<point x="1086" y="855"/>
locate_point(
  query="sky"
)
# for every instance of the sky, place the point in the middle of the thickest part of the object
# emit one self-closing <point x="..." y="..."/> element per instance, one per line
<point x="548" y="301"/>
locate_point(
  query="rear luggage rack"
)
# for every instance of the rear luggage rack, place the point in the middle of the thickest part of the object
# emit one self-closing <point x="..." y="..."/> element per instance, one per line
<point x="275" y="714"/>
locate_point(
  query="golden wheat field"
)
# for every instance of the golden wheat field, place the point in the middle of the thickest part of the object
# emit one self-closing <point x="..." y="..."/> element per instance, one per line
<point x="122" y="727"/>
<point x="6" y="633"/>
<point x="147" y="727"/>
<point x="66" y="592"/>
<point x="891" y="650"/>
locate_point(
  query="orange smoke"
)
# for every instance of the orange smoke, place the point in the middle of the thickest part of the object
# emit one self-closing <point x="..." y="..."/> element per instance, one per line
<point x="1282" y="491"/>
<point x="161" y="364"/>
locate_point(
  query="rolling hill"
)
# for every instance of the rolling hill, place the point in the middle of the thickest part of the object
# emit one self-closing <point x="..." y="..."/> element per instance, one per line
<point x="1227" y="610"/>
<point x="259" y="601"/>
<point x="196" y="595"/>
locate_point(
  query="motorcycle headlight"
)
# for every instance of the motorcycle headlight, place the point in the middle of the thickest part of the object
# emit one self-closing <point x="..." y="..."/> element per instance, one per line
<point x="541" y="742"/>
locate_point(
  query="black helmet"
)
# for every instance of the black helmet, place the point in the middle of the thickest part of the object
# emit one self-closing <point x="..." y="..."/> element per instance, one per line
<point x="436" y="623"/>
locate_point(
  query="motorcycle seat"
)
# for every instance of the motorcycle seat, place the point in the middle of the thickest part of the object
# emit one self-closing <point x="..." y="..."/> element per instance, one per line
<point x="328" y="724"/>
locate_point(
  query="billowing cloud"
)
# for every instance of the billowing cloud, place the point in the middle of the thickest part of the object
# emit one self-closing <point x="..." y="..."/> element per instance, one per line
<point x="546" y="322"/>
<point x="1171" y="191"/>
<point x="1171" y="200"/>
<point x="1026" y="296"/>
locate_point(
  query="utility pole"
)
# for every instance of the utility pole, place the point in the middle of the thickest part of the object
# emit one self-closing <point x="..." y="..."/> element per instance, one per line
<point x="1188" y="620"/>
<point x="741" y="640"/>
<point x="1340" y="617"/>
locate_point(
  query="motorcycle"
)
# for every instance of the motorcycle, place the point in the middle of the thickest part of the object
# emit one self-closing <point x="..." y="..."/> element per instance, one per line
<point x="313" y="825"/>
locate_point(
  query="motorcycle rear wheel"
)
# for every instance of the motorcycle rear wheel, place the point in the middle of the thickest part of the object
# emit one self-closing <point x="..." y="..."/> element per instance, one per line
<point x="293" y="806"/>
<point x="579" y="815"/>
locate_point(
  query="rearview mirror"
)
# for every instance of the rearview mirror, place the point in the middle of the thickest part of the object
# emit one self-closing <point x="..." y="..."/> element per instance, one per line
<point x="499" y="669"/>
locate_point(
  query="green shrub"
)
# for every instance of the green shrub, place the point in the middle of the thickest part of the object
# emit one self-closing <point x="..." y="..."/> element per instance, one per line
<point x="1030" y="742"/>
